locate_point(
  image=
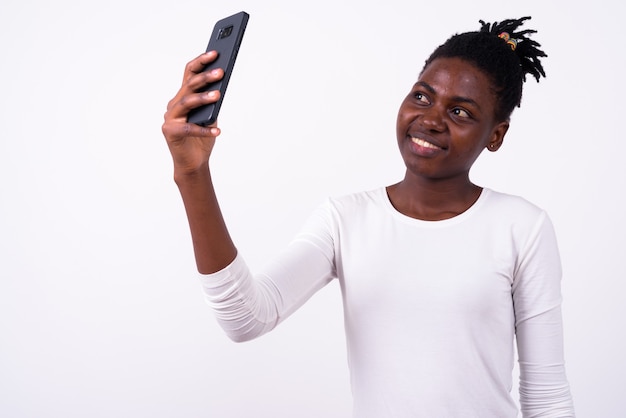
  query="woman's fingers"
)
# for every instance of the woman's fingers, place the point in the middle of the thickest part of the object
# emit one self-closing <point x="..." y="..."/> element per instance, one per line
<point x="195" y="80"/>
<point x="198" y="64"/>
<point x="180" y="106"/>
<point x="195" y="76"/>
<point x="191" y="144"/>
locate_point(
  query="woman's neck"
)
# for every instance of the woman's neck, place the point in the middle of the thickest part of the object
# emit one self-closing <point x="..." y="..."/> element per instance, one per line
<point x="433" y="200"/>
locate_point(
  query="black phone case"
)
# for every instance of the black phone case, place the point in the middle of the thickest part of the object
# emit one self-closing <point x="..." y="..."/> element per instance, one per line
<point x="225" y="39"/>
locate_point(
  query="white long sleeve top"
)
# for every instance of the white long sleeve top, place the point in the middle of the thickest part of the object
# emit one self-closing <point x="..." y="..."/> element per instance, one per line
<point x="431" y="308"/>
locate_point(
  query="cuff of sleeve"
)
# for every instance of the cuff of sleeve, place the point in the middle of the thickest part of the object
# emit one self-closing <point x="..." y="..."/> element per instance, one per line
<point x="215" y="284"/>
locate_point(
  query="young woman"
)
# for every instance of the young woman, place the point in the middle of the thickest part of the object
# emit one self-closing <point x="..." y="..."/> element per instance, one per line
<point x="438" y="275"/>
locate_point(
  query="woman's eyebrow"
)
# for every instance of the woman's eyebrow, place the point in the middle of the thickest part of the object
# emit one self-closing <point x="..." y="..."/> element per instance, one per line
<point x="467" y="100"/>
<point x="426" y="86"/>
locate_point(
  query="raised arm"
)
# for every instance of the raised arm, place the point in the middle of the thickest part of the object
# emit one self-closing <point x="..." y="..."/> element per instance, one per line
<point x="191" y="147"/>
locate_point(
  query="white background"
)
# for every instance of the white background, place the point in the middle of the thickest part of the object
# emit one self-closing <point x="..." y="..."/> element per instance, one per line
<point x="100" y="310"/>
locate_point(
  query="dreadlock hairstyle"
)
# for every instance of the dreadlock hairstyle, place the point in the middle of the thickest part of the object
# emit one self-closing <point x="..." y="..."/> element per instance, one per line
<point x="504" y="54"/>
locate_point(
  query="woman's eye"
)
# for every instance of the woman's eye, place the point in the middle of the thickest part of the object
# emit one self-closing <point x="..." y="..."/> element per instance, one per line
<point x="461" y="113"/>
<point x="421" y="97"/>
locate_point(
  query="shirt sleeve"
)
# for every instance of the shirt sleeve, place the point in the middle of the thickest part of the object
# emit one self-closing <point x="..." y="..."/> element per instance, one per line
<point x="248" y="305"/>
<point x="544" y="389"/>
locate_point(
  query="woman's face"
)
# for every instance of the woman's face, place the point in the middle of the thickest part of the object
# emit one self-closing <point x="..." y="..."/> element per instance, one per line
<point x="447" y="120"/>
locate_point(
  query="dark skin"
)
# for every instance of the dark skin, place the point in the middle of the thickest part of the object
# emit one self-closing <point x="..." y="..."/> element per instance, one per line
<point x="191" y="146"/>
<point x="443" y="126"/>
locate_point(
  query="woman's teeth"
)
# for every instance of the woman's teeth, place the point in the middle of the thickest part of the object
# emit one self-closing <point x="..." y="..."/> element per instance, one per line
<point x="423" y="143"/>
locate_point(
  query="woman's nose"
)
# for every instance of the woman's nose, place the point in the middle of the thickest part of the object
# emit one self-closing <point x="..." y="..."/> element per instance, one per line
<point x="433" y="119"/>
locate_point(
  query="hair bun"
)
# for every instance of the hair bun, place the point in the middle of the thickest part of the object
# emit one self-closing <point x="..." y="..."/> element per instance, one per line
<point x="526" y="49"/>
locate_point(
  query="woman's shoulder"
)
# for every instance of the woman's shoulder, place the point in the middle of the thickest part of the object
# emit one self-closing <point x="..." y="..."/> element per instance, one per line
<point x="512" y="205"/>
<point x="360" y="199"/>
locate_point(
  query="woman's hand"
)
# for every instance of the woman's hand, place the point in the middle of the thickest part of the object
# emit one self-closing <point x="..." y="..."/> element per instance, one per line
<point x="190" y="144"/>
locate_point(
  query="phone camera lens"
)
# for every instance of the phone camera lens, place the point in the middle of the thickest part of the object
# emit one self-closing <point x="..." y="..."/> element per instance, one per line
<point x="225" y="32"/>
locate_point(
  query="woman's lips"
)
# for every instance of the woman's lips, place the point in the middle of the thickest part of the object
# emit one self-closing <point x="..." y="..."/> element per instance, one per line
<point x="424" y="148"/>
<point x="423" y="143"/>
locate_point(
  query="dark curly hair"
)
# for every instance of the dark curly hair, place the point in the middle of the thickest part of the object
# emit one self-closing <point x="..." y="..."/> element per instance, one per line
<point x="505" y="66"/>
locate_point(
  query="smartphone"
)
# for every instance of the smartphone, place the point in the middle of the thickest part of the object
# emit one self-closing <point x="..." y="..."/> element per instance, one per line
<point x="225" y="39"/>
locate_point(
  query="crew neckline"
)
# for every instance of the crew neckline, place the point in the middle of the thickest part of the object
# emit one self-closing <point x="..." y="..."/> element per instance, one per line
<point x="484" y="194"/>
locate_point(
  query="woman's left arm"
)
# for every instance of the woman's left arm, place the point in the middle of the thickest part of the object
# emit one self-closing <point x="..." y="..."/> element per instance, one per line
<point x="544" y="388"/>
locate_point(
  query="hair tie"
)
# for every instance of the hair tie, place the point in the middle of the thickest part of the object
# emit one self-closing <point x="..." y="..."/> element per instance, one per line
<point x="507" y="38"/>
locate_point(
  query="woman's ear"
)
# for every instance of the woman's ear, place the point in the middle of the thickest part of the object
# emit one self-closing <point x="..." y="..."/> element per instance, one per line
<point x="497" y="136"/>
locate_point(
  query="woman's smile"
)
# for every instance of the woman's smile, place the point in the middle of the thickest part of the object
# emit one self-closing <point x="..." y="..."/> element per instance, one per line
<point x="424" y="148"/>
<point x="447" y="120"/>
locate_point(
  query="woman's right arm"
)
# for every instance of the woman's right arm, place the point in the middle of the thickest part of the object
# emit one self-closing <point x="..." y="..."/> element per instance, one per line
<point x="246" y="306"/>
<point x="191" y="146"/>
